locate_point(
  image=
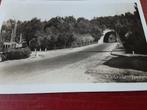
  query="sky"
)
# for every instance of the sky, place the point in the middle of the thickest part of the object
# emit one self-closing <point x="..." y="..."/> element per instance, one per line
<point x="46" y="9"/>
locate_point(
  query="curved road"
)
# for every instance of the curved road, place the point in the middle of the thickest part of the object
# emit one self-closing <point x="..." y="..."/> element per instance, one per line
<point x="33" y="71"/>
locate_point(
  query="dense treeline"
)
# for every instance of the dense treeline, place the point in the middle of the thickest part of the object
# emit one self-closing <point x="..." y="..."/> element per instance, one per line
<point x="132" y="34"/>
<point x="64" y="32"/>
<point x="58" y="32"/>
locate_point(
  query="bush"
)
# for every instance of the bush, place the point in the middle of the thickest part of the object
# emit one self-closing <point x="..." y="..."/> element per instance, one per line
<point x="19" y="53"/>
<point x="134" y="41"/>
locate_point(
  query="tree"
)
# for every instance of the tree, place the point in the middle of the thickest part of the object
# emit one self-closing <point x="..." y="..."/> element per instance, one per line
<point x="33" y="44"/>
<point x="29" y="29"/>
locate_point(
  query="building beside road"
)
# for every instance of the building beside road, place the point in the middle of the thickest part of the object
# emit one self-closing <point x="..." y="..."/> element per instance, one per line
<point x="12" y="44"/>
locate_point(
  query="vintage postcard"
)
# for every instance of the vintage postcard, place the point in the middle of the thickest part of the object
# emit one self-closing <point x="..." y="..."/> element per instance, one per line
<point x="72" y="46"/>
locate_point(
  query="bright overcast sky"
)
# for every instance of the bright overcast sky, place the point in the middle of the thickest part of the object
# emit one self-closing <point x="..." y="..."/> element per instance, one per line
<point x="43" y="9"/>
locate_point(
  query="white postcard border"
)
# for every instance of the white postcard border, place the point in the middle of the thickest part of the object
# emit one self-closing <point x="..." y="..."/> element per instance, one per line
<point x="63" y="88"/>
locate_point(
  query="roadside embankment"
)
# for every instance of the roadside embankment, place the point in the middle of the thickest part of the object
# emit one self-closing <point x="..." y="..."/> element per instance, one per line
<point x="121" y="67"/>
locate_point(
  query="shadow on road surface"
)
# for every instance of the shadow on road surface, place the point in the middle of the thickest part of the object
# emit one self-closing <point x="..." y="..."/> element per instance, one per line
<point x="128" y="62"/>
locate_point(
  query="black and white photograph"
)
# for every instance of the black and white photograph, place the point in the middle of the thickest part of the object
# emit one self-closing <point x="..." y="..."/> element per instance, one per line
<point x="72" y="42"/>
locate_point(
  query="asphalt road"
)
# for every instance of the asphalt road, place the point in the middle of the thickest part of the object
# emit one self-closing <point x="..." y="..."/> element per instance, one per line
<point x="51" y="64"/>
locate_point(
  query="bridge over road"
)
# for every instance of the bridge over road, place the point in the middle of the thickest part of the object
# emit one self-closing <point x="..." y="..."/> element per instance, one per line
<point x="109" y="36"/>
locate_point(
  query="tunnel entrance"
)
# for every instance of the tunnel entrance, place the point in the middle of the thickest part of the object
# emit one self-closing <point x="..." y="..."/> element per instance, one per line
<point x="110" y="37"/>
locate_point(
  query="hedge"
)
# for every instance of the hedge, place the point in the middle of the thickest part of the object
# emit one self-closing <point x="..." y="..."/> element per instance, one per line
<point x="19" y="53"/>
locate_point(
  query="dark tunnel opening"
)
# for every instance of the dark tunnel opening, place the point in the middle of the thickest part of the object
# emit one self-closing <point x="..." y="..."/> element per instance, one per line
<point x="110" y="37"/>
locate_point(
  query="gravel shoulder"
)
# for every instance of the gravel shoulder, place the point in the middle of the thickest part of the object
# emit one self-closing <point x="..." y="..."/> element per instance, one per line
<point x="120" y="67"/>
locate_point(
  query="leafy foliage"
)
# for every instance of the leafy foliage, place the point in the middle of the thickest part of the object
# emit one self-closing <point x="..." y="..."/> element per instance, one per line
<point x="19" y="53"/>
<point x="65" y="32"/>
<point x="132" y="33"/>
